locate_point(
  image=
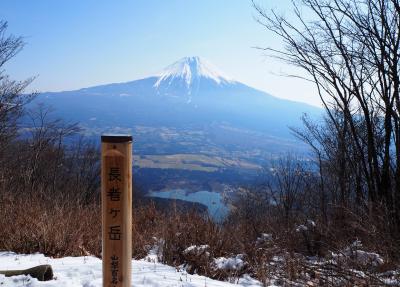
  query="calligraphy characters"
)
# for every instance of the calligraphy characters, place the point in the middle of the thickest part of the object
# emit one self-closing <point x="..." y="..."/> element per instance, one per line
<point x="114" y="228"/>
<point x="114" y="194"/>
<point x="114" y="174"/>
<point x="114" y="232"/>
<point x="114" y="270"/>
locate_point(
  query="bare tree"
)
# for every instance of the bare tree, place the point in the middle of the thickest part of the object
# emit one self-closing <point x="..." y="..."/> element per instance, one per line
<point x="46" y="150"/>
<point x="350" y="50"/>
<point x="287" y="186"/>
<point x="12" y="98"/>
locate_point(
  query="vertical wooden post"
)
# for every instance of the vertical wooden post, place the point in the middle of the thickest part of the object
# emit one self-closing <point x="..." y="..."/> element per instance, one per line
<point x="116" y="198"/>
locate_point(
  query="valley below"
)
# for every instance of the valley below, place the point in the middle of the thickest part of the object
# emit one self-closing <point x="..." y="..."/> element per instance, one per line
<point x="181" y="163"/>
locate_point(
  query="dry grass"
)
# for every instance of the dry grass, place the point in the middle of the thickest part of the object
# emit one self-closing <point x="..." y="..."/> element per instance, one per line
<point x="53" y="228"/>
<point x="31" y="224"/>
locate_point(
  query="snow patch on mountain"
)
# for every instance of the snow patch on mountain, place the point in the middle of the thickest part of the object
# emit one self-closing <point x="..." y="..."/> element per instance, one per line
<point x="191" y="69"/>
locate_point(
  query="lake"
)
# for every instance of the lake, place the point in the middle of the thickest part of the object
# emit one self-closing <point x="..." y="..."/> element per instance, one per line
<point x="216" y="206"/>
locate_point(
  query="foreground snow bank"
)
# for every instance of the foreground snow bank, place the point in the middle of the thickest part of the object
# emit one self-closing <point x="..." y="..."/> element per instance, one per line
<point x="86" y="271"/>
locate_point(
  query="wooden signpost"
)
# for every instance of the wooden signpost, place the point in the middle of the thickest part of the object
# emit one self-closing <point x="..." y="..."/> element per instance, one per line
<point x="116" y="198"/>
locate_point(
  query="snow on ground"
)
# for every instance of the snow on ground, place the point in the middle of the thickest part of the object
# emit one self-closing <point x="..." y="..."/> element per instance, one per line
<point x="354" y="252"/>
<point x="87" y="272"/>
<point x="233" y="263"/>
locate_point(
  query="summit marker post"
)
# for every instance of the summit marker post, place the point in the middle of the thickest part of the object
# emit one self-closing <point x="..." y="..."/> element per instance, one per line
<point x="116" y="201"/>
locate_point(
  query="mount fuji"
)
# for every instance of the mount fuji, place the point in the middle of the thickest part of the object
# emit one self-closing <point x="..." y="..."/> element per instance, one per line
<point x="194" y="128"/>
<point x="189" y="93"/>
<point x="190" y="75"/>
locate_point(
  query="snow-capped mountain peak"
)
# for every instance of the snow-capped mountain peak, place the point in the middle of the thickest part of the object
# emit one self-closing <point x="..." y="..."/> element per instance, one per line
<point x="190" y="70"/>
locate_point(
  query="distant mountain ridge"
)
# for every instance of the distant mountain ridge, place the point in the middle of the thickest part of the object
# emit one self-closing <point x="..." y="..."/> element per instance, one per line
<point x="189" y="93"/>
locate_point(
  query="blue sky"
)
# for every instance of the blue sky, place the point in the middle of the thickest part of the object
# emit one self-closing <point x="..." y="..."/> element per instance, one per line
<point x="75" y="44"/>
